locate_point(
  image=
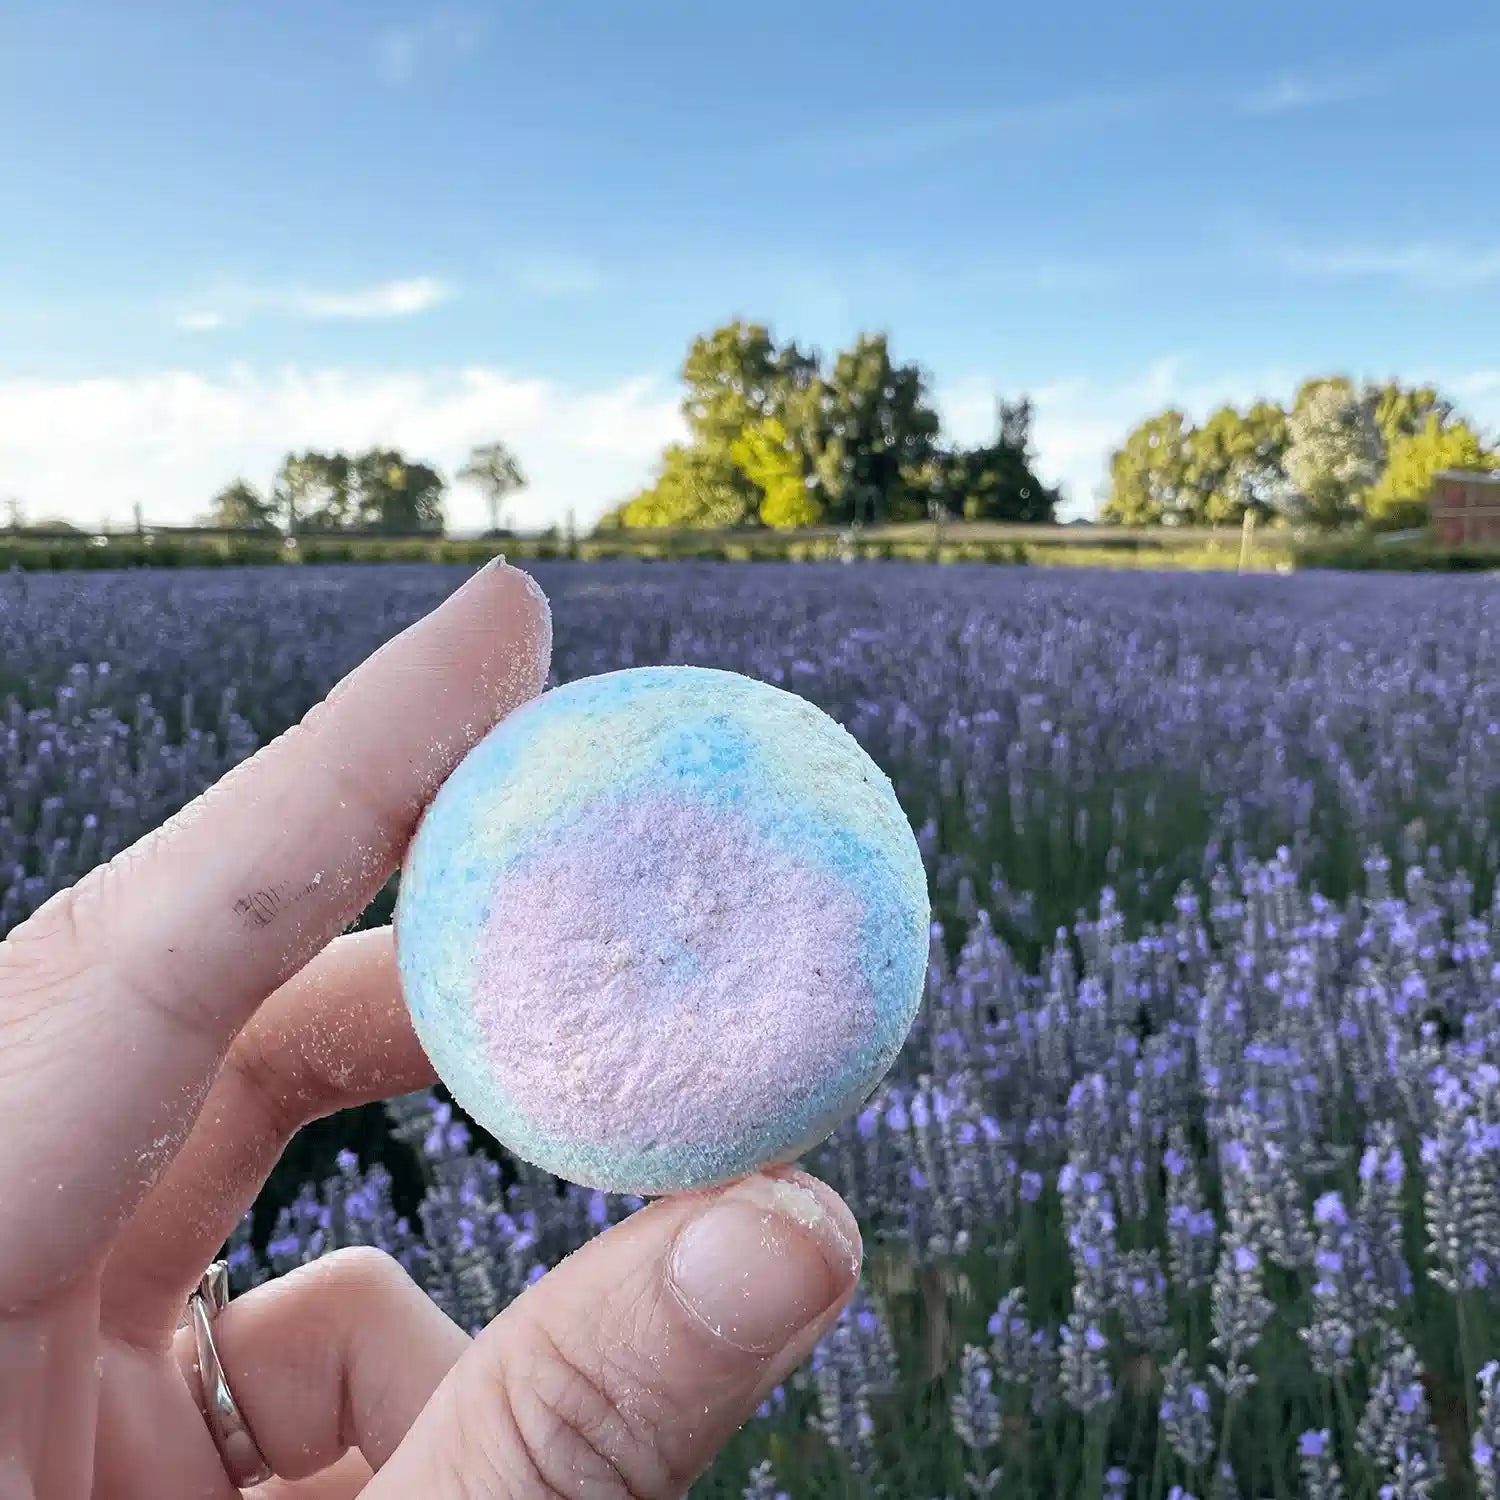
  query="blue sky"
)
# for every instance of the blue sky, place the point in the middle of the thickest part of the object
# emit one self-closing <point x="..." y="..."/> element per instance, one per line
<point x="229" y="230"/>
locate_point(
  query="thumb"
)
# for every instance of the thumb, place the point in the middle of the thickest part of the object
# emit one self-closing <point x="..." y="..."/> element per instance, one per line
<point x="623" y="1371"/>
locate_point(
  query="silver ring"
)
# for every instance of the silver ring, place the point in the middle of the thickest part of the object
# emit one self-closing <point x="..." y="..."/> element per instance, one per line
<point x="243" y="1461"/>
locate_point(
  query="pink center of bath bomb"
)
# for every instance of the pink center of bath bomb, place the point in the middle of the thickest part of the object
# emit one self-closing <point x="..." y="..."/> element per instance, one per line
<point x="666" y="975"/>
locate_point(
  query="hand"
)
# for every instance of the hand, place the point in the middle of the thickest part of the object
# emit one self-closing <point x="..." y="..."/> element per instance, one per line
<point x="167" y="1025"/>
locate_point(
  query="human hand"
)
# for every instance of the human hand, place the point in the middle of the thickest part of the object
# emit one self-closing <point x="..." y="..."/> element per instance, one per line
<point x="168" y="1024"/>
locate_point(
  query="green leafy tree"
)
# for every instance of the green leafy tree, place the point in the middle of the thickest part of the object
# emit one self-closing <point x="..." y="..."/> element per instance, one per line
<point x="768" y="458"/>
<point x="1151" y="475"/>
<point x="1400" y="411"/>
<point x="314" y="492"/>
<point x="1399" y="496"/>
<point x="876" y="432"/>
<point x="1237" y="463"/>
<point x="1333" y="449"/>
<point x="696" y="486"/>
<point x="395" y="495"/>
<point x="734" y="378"/>
<point x="497" y="472"/>
<point x="993" y="481"/>
<point x="242" y="507"/>
<point x="738" y="375"/>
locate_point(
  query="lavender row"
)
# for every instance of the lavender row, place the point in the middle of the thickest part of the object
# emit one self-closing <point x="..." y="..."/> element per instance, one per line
<point x="1049" y="734"/>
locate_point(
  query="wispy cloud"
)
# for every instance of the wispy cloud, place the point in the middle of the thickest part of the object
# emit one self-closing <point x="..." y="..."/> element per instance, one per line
<point x="199" y="321"/>
<point x="1429" y="263"/>
<point x="446" y="36"/>
<point x="1380" y="73"/>
<point x="388" y="299"/>
<point x="228" y="306"/>
<point x="887" y="141"/>
<point x="557" y="276"/>
<point x="1298" y="90"/>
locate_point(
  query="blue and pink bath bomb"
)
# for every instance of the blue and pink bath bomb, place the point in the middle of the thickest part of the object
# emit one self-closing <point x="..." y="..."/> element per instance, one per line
<point x="662" y="927"/>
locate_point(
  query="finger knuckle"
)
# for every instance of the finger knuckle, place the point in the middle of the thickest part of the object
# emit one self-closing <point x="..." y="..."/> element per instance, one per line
<point x="45" y="953"/>
<point x="557" y="1423"/>
<point x="367" y="1274"/>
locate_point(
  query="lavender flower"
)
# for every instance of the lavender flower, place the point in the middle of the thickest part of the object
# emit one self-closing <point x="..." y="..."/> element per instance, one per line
<point x="1192" y="1232"/>
<point x="975" y="1407"/>
<point x="1142" y="1300"/>
<point x="1087" y="1385"/>
<point x="762" y="1484"/>
<point x="1485" y="1447"/>
<point x="1382" y="1177"/>
<point x="1186" y="1414"/>
<point x="1396" y="1430"/>
<point x="1011" y="1339"/>
<point x="1240" y="1310"/>
<point x="1321" y="1478"/>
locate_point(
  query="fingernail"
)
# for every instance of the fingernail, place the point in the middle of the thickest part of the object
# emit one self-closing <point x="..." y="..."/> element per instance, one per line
<point x="764" y="1258"/>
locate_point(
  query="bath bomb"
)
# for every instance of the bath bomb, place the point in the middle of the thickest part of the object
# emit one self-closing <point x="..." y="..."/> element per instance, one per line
<point x="662" y="927"/>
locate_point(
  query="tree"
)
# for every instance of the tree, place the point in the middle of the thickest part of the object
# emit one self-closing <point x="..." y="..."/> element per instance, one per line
<point x="313" y="492"/>
<point x="1399" y="496"/>
<point x="696" y="486"/>
<point x="993" y="481"/>
<point x="495" y="469"/>
<point x="396" y="495"/>
<point x="1150" y="476"/>
<point x="241" y="507"/>
<point x="1400" y="411"/>
<point x="736" y="376"/>
<point x="1333" y="449"/>
<point x="15" y="513"/>
<point x="1237" y="463"/>
<point x="733" y="378"/>
<point x="878" y="433"/>
<point x="768" y="458"/>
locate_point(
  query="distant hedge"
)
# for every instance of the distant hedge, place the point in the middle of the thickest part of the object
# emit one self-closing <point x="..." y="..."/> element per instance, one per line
<point x="1028" y="546"/>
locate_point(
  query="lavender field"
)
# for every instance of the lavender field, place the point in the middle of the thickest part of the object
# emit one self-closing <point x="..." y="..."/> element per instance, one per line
<point x="1188" y="1181"/>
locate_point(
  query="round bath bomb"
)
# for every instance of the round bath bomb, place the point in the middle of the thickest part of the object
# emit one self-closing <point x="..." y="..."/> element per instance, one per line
<point x="662" y="927"/>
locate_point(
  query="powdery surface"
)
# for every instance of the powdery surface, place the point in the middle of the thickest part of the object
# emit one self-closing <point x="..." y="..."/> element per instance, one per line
<point x="667" y="976"/>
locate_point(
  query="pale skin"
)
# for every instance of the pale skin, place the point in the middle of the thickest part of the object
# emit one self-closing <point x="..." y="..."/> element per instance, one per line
<point x="167" y="1024"/>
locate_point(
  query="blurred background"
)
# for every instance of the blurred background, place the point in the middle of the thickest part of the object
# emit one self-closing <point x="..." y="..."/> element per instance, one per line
<point x="233" y="236"/>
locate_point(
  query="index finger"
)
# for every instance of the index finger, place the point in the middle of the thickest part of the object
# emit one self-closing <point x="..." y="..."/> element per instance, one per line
<point x="119" y="997"/>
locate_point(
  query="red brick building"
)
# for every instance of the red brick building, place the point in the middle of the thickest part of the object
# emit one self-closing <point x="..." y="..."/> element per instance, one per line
<point x="1465" y="508"/>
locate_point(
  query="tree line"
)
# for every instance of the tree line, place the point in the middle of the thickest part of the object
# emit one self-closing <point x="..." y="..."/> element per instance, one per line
<point x="779" y="437"/>
<point x="1339" y="454"/>
<point x="378" y="492"/>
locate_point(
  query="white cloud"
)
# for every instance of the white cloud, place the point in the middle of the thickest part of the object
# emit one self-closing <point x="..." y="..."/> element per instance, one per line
<point x="1429" y="263"/>
<point x="200" y="322"/>
<point x="226" y="305"/>
<point x="449" y="35"/>
<point x="390" y="299"/>
<point x="90" y="448"/>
